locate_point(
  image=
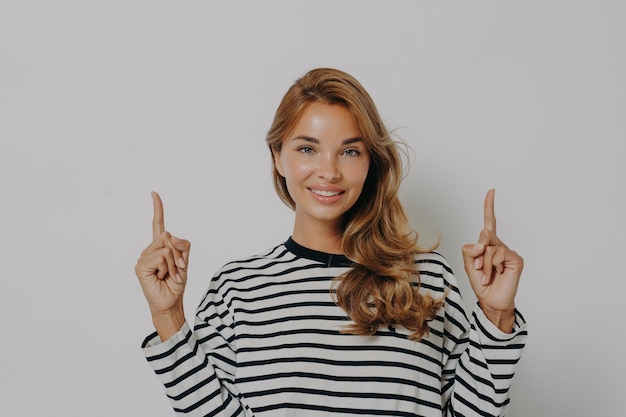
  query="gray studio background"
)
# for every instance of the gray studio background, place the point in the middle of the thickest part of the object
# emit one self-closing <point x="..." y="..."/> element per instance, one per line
<point x="103" y="101"/>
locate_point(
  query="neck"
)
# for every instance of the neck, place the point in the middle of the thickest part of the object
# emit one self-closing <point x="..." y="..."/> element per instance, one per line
<point x="319" y="237"/>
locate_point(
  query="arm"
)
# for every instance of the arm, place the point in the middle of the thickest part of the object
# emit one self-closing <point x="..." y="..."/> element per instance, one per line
<point x="194" y="367"/>
<point x="197" y="368"/>
<point x="482" y="359"/>
<point x="486" y="367"/>
<point x="484" y="364"/>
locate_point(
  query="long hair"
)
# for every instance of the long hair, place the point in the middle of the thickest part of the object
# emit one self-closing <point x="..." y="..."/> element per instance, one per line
<point x="376" y="235"/>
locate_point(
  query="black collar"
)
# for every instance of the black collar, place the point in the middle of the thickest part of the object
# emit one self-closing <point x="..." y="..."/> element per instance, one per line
<point x="328" y="259"/>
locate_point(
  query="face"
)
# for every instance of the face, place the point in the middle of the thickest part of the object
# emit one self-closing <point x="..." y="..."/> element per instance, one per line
<point x="325" y="163"/>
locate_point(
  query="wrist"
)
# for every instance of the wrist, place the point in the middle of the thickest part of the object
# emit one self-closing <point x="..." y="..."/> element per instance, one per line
<point x="168" y="323"/>
<point x="502" y="319"/>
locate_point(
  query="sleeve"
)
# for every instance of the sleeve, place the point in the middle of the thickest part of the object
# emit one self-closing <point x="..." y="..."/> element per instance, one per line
<point x="480" y="360"/>
<point x="197" y="368"/>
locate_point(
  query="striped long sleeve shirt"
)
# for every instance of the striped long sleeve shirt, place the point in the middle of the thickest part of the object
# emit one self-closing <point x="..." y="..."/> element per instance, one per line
<point x="268" y="341"/>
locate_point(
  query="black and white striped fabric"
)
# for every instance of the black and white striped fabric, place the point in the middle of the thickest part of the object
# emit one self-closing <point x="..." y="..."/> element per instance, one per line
<point x="268" y="342"/>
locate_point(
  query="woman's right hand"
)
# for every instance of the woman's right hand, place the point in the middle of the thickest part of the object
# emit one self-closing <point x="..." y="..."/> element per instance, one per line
<point x="162" y="273"/>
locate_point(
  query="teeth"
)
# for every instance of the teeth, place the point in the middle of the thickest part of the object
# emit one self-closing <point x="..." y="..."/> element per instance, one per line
<point x="326" y="193"/>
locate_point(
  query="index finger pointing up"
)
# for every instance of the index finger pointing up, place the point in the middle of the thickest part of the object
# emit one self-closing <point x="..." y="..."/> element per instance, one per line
<point x="158" y="221"/>
<point x="490" y="215"/>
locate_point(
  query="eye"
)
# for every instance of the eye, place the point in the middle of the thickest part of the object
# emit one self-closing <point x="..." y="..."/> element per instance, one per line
<point x="352" y="152"/>
<point x="305" y="149"/>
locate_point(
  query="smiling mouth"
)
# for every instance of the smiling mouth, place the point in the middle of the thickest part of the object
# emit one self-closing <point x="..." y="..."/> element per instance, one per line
<point x="325" y="193"/>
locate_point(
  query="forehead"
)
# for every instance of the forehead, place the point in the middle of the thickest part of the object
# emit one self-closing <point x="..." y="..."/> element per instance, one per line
<point x="326" y="121"/>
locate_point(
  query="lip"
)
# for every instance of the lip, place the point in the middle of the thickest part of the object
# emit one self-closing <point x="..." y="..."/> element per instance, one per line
<point x="333" y="194"/>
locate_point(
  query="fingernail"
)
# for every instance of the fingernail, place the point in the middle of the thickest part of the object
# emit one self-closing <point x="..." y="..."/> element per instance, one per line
<point x="477" y="263"/>
<point x="181" y="262"/>
<point x="485" y="281"/>
<point x="179" y="279"/>
<point x="175" y="239"/>
<point x="478" y="246"/>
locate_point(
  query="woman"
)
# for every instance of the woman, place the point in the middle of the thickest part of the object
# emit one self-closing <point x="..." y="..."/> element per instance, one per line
<point x="348" y="316"/>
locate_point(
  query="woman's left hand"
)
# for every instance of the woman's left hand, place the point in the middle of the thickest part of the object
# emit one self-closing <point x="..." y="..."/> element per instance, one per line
<point x="494" y="271"/>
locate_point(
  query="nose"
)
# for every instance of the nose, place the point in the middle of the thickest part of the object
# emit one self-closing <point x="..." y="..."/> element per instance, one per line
<point x="328" y="168"/>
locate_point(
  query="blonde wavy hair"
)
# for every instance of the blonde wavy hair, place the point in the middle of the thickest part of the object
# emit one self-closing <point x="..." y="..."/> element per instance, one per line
<point x="376" y="235"/>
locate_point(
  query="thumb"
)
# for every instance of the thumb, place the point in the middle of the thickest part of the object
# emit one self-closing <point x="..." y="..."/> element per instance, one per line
<point x="473" y="257"/>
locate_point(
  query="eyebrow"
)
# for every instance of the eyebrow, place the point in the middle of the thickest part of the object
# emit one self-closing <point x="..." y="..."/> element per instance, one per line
<point x="317" y="141"/>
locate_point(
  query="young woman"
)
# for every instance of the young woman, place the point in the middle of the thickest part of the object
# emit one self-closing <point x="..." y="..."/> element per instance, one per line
<point x="348" y="316"/>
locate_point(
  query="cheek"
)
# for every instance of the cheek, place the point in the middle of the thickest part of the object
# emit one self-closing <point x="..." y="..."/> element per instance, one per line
<point x="295" y="169"/>
<point x="361" y="173"/>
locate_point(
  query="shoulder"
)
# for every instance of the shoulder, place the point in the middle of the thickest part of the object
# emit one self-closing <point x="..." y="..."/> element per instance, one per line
<point x="238" y="274"/>
<point x="273" y="263"/>
<point x="435" y="272"/>
<point x="437" y="279"/>
<point x="432" y="261"/>
<point x="258" y="262"/>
